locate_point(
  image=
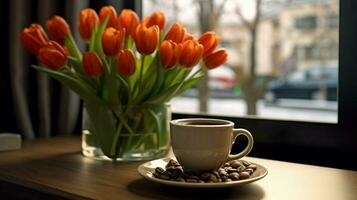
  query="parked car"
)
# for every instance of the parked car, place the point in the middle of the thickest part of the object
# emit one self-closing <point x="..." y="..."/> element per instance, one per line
<point x="222" y="78"/>
<point x="305" y="84"/>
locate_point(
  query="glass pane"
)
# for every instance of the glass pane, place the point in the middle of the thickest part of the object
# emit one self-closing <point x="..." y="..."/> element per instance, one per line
<point x="291" y="71"/>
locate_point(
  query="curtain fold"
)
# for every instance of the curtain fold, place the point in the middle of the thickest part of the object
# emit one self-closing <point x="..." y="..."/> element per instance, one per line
<point x="18" y="71"/>
<point x="42" y="106"/>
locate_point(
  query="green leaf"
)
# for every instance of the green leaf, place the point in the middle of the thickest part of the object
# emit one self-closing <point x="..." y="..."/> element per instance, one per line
<point x="174" y="90"/>
<point x="77" y="64"/>
<point x="98" y="37"/>
<point x="85" y="92"/>
<point x="125" y="92"/>
<point x="104" y="126"/>
<point x="158" y="126"/>
<point x="149" y="79"/>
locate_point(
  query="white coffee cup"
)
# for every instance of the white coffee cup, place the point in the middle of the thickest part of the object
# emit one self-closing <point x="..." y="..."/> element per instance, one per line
<point x="201" y="144"/>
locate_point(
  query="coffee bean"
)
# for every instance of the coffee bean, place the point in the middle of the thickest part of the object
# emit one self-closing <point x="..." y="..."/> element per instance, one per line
<point x="209" y="182"/>
<point x="163" y="176"/>
<point x="159" y="170"/>
<point x="241" y="168"/>
<point x="227" y="168"/>
<point x="219" y="180"/>
<point x="249" y="170"/>
<point x="227" y="180"/>
<point x="172" y="162"/>
<point x="213" y="178"/>
<point x="185" y="175"/>
<point x="231" y="170"/>
<point x="236" y="164"/>
<point x="222" y="172"/>
<point x="201" y="181"/>
<point x="176" y="174"/>
<point x="234" y="176"/>
<point x="214" y="172"/>
<point x="193" y="177"/>
<point x="227" y="164"/>
<point x="190" y="180"/>
<point x="244" y="175"/>
<point x="180" y="179"/>
<point x="252" y="166"/>
<point x="245" y="163"/>
<point x="204" y="176"/>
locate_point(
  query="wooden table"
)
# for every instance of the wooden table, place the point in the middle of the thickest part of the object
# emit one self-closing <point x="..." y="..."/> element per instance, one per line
<point x="54" y="169"/>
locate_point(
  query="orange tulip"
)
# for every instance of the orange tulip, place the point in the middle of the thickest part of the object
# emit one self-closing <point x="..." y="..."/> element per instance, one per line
<point x="53" y="55"/>
<point x="168" y="54"/>
<point x="92" y="65"/>
<point x="113" y="41"/>
<point x="190" y="53"/>
<point x="126" y="62"/>
<point x="146" y="39"/>
<point x="216" y="58"/>
<point x="157" y="18"/>
<point x="88" y="19"/>
<point x="129" y="20"/>
<point x="176" y="33"/>
<point x="58" y="28"/>
<point x="188" y="37"/>
<point x="33" y="38"/>
<point x="108" y="11"/>
<point x="209" y="40"/>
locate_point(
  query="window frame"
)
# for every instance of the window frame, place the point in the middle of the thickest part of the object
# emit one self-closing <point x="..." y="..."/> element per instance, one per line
<point x="325" y="144"/>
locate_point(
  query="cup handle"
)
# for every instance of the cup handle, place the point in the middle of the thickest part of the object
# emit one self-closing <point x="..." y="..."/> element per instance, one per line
<point x="248" y="148"/>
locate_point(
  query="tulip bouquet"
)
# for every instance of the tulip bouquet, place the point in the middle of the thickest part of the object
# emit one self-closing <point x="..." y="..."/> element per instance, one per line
<point x="131" y="69"/>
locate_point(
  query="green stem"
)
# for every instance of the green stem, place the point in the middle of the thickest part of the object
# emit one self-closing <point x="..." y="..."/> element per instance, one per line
<point x="141" y="73"/>
<point x="75" y="51"/>
<point x="193" y="75"/>
<point x="71" y="72"/>
<point x="115" y="147"/>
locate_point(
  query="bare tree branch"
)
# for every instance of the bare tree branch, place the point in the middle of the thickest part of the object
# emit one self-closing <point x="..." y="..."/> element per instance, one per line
<point x="257" y="13"/>
<point x="220" y="9"/>
<point x="242" y="18"/>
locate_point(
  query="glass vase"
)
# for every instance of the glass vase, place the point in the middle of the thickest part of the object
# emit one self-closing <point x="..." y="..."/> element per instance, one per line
<point x="124" y="133"/>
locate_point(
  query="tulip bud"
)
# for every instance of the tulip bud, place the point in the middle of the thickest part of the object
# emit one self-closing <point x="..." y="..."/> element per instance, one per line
<point x="34" y="38"/>
<point x="58" y="28"/>
<point x="129" y="20"/>
<point x="88" y="19"/>
<point x="157" y="18"/>
<point x="176" y="33"/>
<point x="53" y="55"/>
<point x="215" y="59"/>
<point x="190" y="53"/>
<point x="209" y="40"/>
<point x="126" y="62"/>
<point x="108" y="11"/>
<point x="168" y="54"/>
<point x="188" y="37"/>
<point x="113" y="41"/>
<point x="146" y="39"/>
<point x="92" y="65"/>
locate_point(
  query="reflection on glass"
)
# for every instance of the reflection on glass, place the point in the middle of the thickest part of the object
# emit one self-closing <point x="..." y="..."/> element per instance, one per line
<point x="283" y="56"/>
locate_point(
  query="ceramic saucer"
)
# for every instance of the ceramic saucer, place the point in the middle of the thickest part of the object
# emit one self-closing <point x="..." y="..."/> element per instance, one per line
<point x="146" y="170"/>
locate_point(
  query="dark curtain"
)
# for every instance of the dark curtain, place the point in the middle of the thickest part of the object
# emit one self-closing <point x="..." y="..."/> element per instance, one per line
<point x="31" y="103"/>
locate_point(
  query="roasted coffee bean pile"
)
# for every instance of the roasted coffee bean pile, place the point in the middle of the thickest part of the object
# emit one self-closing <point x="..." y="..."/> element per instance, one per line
<point x="231" y="171"/>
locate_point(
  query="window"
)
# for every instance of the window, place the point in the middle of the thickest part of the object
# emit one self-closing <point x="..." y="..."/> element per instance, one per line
<point x="309" y="142"/>
<point x="332" y="21"/>
<point x="280" y="52"/>
<point x="306" y="23"/>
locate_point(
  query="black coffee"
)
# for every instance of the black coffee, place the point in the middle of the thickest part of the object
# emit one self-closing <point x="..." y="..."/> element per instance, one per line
<point x="202" y="123"/>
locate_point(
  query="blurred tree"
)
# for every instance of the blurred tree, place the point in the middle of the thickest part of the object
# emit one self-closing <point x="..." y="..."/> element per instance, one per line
<point x="208" y="16"/>
<point x="251" y="90"/>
